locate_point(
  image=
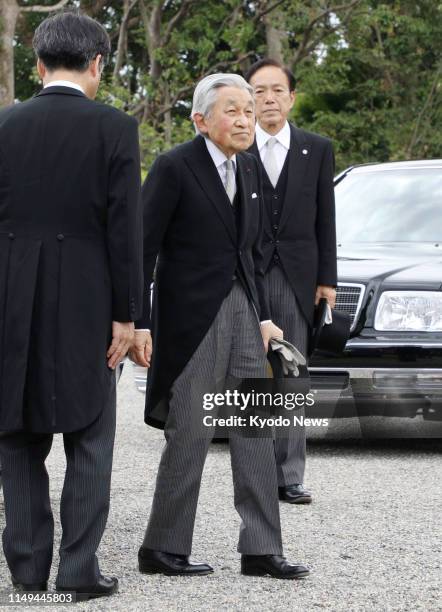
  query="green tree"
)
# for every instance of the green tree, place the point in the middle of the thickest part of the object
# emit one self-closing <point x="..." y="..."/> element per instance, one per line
<point x="377" y="88"/>
<point x="369" y="72"/>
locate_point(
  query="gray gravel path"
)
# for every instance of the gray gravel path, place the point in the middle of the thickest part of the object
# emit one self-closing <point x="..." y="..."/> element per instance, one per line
<point x="372" y="536"/>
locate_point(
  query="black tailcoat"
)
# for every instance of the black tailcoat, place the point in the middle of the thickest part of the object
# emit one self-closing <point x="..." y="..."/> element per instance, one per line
<point x="190" y="233"/>
<point x="304" y="242"/>
<point x="70" y="255"/>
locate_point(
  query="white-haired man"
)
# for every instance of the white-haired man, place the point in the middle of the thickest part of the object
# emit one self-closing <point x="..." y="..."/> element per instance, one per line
<point x="203" y="225"/>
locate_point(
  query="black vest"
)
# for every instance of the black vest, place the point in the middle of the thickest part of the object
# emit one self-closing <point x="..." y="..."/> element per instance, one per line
<point x="274" y="200"/>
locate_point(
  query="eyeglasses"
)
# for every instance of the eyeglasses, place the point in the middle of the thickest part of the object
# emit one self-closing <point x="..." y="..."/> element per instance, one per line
<point x="260" y="92"/>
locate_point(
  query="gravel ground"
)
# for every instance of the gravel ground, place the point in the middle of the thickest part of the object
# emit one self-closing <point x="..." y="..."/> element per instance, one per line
<point x="372" y="535"/>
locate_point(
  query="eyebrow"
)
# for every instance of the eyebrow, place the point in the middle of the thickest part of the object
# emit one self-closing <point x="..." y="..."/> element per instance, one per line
<point x="235" y="104"/>
<point x="272" y="85"/>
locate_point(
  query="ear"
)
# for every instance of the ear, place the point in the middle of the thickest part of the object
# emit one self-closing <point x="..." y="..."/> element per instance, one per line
<point x="292" y="98"/>
<point x="41" y="69"/>
<point x="95" y="66"/>
<point x="200" y="123"/>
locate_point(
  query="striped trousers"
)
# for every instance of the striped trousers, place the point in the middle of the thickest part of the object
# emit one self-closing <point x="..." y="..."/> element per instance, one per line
<point x="29" y="532"/>
<point x="231" y="349"/>
<point x="290" y="451"/>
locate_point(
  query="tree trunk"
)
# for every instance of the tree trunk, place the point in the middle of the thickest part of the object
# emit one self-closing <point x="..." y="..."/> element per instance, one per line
<point x="152" y="31"/>
<point x="122" y="41"/>
<point x="167" y="118"/>
<point x="274" y="36"/>
<point x="155" y="41"/>
<point x="9" y="11"/>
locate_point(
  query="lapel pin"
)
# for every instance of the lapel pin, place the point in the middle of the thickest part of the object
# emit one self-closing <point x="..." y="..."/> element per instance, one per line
<point x="304" y="151"/>
<point x="254" y="195"/>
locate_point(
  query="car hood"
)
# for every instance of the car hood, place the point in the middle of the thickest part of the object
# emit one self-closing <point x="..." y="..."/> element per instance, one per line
<point x="391" y="263"/>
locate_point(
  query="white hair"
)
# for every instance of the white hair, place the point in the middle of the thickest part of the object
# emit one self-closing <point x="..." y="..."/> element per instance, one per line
<point x="206" y="91"/>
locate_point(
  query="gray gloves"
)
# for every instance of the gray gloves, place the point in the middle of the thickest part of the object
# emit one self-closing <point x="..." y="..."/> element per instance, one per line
<point x="289" y="355"/>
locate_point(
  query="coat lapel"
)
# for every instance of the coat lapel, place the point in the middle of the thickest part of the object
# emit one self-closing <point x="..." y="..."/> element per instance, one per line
<point x="202" y="166"/>
<point x="299" y="157"/>
<point x="267" y="221"/>
<point x="243" y="175"/>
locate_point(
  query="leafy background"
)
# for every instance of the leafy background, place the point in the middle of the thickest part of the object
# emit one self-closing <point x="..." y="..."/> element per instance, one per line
<point x="369" y="73"/>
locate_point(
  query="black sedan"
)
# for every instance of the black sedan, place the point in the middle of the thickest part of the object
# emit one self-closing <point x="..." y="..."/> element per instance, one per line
<point x="389" y="232"/>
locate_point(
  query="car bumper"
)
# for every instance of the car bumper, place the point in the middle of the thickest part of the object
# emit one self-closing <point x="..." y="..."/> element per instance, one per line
<point x="392" y="378"/>
<point x="372" y="377"/>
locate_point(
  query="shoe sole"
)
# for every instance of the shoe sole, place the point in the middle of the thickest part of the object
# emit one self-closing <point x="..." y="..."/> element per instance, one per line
<point x="156" y="570"/>
<point x="299" y="500"/>
<point x="264" y="573"/>
<point x="87" y="596"/>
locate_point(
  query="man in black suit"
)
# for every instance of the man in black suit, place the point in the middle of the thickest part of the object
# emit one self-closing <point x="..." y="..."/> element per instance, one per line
<point x="299" y="234"/>
<point x="70" y="288"/>
<point x="210" y="322"/>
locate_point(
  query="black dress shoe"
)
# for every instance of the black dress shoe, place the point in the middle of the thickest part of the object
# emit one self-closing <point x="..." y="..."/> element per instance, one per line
<point x="273" y="565"/>
<point x="29" y="586"/>
<point x="295" y="494"/>
<point x="102" y="588"/>
<point x="157" y="562"/>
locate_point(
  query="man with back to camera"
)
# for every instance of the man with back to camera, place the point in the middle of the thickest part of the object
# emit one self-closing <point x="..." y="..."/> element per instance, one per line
<point x="203" y="219"/>
<point x="70" y="288"/>
<point x="299" y="234"/>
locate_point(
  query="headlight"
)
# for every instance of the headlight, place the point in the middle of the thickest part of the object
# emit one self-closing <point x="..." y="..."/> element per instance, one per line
<point x="419" y="311"/>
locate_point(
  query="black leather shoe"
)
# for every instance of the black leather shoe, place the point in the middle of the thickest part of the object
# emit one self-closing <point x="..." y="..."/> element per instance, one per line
<point x="295" y="494"/>
<point x="157" y="562"/>
<point x="273" y="565"/>
<point x="29" y="586"/>
<point x="102" y="588"/>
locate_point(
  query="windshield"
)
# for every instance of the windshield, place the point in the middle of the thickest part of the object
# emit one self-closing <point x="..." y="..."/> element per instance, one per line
<point x="390" y="206"/>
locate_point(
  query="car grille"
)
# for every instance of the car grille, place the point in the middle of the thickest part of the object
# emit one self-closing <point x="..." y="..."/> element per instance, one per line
<point x="349" y="299"/>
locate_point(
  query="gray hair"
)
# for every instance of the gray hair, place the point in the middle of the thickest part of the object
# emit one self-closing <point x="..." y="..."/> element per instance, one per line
<point x="206" y="91"/>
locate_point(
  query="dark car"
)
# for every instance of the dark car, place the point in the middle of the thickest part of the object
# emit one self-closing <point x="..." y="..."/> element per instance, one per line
<point x="389" y="233"/>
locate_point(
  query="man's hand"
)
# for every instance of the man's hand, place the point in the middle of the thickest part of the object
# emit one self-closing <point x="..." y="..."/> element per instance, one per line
<point x="270" y="330"/>
<point x="141" y="350"/>
<point x="327" y="292"/>
<point x="122" y="338"/>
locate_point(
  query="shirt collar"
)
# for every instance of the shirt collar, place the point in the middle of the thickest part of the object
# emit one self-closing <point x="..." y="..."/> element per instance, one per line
<point x="216" y="154"/>
<point x="62" y="83"/>
<point x="283" y="136"/>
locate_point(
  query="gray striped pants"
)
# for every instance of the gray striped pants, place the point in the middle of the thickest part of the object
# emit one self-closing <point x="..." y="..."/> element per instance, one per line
<point x="29" y="532"/>
<point x="231" y="348"/>
<point x="285" y="312"/>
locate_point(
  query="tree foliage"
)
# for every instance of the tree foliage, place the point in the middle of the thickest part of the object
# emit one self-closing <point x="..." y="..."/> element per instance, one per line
<point x="369" y="72"/>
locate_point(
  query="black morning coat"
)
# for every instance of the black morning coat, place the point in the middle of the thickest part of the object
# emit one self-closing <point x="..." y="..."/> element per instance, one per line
<point x="190" y="225"/>
<point x="305" y="241"/>
<point x="70" y="256"/>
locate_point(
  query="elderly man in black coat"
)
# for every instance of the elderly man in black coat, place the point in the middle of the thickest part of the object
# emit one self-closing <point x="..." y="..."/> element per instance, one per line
<point x="70" y="287"/>
<point x="210" y="321"/>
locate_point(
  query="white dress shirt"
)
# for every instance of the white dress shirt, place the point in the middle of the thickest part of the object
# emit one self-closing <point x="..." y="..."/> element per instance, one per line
<point x="62" y="83"/>
<point x="219" y="159"/>
<point x="281" y="147"/>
